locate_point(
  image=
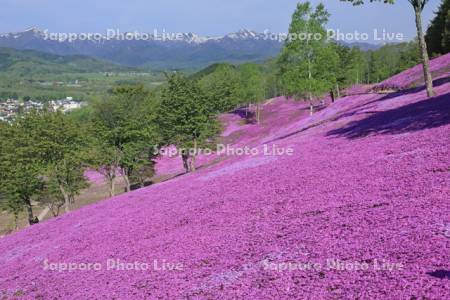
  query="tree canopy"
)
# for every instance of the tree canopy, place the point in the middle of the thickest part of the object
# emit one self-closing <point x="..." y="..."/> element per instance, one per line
<point x="126" y="132"/>
<point x="308" y="62"/>
<point x="438" y="34"/>
<point x="186" y="117"/>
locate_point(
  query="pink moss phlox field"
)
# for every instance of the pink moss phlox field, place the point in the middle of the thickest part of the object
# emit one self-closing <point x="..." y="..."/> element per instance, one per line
<point x="361" y="209"/>
<point x="439" y="67"/>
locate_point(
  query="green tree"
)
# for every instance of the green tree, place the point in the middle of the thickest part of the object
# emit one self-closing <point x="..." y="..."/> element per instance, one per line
<point x="418" y="6"/>
<point x="352" y="67"/>
<point x="391" y="59"/>
<point x="185" y="118"/>
<point x="20" y="167"/>
<point x="51" y="197"/>
<point x="272" y="80"/>
<point x="252" y="87"/>
<point x="62" y="147"/>
<point x="409" y="57"/>
<point x="125" y="131"/>
<point x="308" y="62"/>
<point x="221" y="88"/>
<point x="438" y="34"/>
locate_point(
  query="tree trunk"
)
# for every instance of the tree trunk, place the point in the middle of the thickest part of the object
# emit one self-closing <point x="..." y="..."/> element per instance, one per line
<point x="16" y="221"/>
<point x="112" y="181"/>
<point x="338" y="92"/>
<point x="66" y="198"/>
<point x="126" y="177"/>
<point x="423" y="51"/>
<point x="311" y="107"/>
<point x="141" y="182"/>
<point x="55" y="207"/>
<point x="31" y="218"/>
<point x="192" y="164"/>
<point x="127" y="183"/>
<point x="185" y="157"/>
<point x="112" y="186"/>
<point x="192" y="161"/>
<point x="258" y="113"/>
<point x="71" y="200"/>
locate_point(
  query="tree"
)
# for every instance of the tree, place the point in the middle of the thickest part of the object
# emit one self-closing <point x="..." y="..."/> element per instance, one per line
<point x="143" y="173"/>
<point x="13" y="206"/>
<point x="221" y="87"/>
<point x="272" y="80"/>
<point x="20" y="167"/>
<point x="352" y="66"/>
<point x="418" y="6"/>
<point x="391" y="59"/>
<point x="42" y="149"/>
<point x="185" y="117"/>
<point x="51" y="196"/>
<point x="409" y="57"/>
<point x="438" y="34"/>
<point x="62" y="147"/>
<point x="308" y="62"/>
<point x="125" y="131"/>
<point x="137" y="162"/>
<point x="252" y="86"/>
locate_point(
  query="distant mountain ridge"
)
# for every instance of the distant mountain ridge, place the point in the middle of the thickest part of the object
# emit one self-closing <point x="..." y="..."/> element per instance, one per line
<point x="156" y="52"/>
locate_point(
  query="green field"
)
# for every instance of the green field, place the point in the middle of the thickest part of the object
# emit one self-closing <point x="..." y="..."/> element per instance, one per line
<point x="40" y="76"/>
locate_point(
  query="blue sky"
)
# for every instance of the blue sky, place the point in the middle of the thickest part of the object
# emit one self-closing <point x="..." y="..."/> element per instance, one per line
<point x="205" y="17"/>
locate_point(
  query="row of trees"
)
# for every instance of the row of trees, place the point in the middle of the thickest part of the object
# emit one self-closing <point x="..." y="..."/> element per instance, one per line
<point x="391" y="59"/>
<point x="5" y="95"/>
<point x="188" y="108"/>
<point x="312" y="66"/>
<point x="438" y="34"/>
<point x="44" y="154"/>
<point x="19" y="91"/>
<point x="42" y="158"/>
<point x="229" y="87"/>
<point x="418" y="6"/>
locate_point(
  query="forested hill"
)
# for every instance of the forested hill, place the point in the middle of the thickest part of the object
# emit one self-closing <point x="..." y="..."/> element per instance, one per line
<point x="30" y="62"/>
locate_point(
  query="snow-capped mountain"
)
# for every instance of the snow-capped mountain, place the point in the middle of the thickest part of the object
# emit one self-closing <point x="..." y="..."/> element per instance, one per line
<point x="189" y="37"/>
<point x="153" y="50"/>
<point x="35" y="32"/>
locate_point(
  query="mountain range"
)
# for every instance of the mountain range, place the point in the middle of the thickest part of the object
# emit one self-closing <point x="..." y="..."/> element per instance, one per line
<point x="155" y="51"/>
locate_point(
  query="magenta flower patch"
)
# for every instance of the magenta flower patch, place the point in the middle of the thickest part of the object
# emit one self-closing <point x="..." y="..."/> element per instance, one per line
<point x="359" y="211"/>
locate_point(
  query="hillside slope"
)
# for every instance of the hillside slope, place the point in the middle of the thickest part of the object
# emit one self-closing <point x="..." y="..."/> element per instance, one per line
<point x="29" y="62"/>
<point x="360" y="210"/>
